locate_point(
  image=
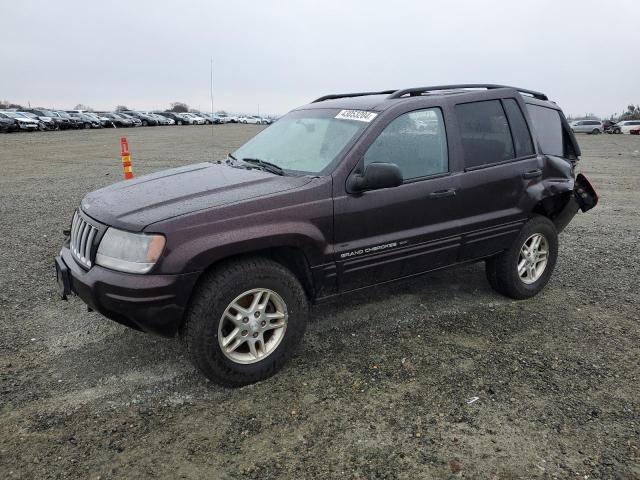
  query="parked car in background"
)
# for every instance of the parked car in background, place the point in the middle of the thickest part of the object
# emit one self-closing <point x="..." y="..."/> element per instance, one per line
<point x="587" y="126"/>
<point x="104" y="121"/>
<point x="213" y="117"/>
<point x="207" y="117"/>
<point x="176" y="117"/>
<point x="634" y="130"/>
<point x="135" y="121"/>
<point x="255" y="119"/>
<point x="147" y="120"/>
<point x="607" y="124"/>
<point x="47" y="120"/>
<point x="117" y="120"/>
<point x="87" y="121"/>
<point x="61" y="123"/>
<point x="226" y="118"/>
<point x="625" y="126"/>
<point x="159" y="118"/>
<point x="24" y="122"/>
<point x="45" y="123"/>
<point x="75" y="122"/>
<point x="8" y="125"/>
<point x="196" y="119"/>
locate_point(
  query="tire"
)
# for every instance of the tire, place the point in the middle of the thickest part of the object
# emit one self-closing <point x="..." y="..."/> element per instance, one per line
<point x="207" y="324"/>
<point x="502" y="270"/>
<point x="145" y="123"/>
<point x="179" y="122"/>
<point x="595" y="131"/>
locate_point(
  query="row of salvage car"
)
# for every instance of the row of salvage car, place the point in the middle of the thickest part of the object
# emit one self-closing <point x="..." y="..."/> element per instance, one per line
<point x="42" y="119"/>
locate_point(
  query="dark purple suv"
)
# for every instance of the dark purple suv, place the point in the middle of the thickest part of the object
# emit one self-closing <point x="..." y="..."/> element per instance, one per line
<point x="347" y="192"/>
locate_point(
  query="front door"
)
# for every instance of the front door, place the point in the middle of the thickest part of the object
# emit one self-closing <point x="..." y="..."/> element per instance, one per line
<point x="390" y="233"/>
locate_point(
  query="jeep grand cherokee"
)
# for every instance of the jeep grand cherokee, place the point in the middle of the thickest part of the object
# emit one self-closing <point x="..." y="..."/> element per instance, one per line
<point x="347" y="192"/>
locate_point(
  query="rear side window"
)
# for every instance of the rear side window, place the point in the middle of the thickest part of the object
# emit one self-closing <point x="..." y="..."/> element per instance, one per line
<point x="484" y="132"/>
<point x="548" y="128"/>
<point x="519" y="129"/>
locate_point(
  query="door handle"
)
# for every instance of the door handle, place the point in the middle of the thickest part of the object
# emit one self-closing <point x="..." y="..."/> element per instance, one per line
<point x="533" y="173"/>
<point x="451" y="192"/>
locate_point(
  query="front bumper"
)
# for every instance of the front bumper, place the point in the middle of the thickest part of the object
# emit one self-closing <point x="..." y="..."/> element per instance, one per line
<point x="151" y="303"/>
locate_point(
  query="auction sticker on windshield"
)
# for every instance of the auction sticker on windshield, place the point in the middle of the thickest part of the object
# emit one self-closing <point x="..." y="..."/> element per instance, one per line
<point x="359" y="115"/>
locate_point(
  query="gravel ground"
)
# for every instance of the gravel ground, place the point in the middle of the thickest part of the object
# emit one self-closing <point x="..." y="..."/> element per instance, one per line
<point x="382" y="385"/>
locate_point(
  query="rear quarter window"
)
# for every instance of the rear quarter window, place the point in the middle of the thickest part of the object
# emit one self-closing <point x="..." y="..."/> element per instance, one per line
<point x="548" y="129"/>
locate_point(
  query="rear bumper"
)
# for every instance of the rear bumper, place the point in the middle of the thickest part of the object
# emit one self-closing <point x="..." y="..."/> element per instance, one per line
<point x="151" y="303"/>
<point x="584" y="197"/>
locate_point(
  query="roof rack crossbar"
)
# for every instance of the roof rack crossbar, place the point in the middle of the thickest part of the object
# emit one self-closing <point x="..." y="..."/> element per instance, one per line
<point x="350" y="95"/>
<point x="488" y="86"/>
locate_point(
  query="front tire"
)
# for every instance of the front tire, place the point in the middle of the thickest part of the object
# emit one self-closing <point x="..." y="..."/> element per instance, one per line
<point x="244" y="322"/>
<point x="525" y="268"/>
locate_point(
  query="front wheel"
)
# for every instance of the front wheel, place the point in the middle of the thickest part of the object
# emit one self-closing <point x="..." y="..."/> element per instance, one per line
<point x="244" y="322"/>
<point x="524" y="269"/>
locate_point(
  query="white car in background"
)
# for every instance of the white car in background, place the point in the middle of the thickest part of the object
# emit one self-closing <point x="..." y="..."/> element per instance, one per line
<point x="625" y="126"/>
<point x="252" y="119"/>
<point x="197" y="120"/>
<point x="226" y="118"/>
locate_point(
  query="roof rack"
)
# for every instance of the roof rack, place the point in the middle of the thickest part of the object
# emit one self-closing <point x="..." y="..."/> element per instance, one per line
<point x="413" y="92"/>
<point x="420" y="90"/>
<point x="350" y="95"/>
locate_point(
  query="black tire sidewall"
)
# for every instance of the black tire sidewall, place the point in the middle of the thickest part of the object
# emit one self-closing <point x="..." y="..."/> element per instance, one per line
<point x="213" y="298"/>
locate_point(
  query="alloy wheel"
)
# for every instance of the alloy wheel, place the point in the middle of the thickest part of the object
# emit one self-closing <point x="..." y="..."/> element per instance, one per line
<point x="252" y="326"/>
<point x="533" y="257"/>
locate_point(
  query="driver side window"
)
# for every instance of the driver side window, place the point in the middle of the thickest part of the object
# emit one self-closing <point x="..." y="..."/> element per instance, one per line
<point x="415" y="141"/>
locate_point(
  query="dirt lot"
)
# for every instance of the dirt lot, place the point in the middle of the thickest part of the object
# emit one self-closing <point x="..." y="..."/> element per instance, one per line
<point x="557" y="376"/>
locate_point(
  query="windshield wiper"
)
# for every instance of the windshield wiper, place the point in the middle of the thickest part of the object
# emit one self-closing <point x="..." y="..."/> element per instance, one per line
<point x="230" y="155"/>
<point x="266" y="166"/>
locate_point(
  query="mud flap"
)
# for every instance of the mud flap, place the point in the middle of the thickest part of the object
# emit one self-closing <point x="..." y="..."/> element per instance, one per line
<point x="584" y="198"/>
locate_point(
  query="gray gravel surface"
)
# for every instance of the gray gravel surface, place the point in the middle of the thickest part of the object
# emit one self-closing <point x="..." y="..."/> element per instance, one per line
<point x="382" y="385"/>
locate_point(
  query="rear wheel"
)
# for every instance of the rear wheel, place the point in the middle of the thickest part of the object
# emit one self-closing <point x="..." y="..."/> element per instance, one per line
<point x="525" y="268"/>
<point x="245" y="320"/>
<point x="595" y="131"/>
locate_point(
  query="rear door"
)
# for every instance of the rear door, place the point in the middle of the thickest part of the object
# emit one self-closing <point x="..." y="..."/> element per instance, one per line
<point x="500" y="164"/>
<point x="390" y="233"/>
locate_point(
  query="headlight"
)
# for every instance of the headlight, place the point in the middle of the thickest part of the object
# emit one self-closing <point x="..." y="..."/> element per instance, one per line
<point x="129" y="252"/>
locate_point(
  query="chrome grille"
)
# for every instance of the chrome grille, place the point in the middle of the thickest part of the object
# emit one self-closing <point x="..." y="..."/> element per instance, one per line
<point x="82" y="237"/>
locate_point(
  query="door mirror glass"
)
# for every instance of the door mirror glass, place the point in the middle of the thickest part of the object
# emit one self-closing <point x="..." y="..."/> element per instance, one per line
<point x="376" y="176"/>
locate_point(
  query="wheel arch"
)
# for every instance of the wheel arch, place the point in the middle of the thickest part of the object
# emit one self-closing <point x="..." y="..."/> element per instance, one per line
<point x="292" y="258"/>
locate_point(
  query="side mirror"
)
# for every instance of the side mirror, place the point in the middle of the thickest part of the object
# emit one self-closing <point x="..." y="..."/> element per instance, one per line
<point x="376" y="176"/>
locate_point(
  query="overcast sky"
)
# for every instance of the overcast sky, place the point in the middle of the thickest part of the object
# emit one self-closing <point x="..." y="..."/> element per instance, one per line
<point x="276" y="55"/>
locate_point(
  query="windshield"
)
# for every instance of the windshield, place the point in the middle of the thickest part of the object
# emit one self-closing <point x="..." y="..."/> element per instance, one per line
<point x="306" y="141"/>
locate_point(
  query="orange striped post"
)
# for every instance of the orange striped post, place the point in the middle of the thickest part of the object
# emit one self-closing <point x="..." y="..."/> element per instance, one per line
<point x="126" y="158"/>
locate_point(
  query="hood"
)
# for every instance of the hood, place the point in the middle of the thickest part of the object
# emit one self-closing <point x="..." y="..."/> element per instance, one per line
<point x="135" y="204"/>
